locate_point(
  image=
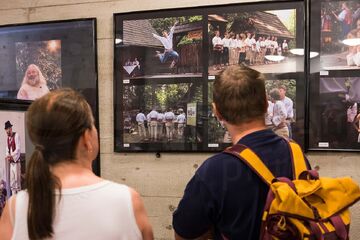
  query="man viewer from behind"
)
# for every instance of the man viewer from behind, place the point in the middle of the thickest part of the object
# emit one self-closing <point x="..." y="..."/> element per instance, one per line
<point x="225" y="195"/>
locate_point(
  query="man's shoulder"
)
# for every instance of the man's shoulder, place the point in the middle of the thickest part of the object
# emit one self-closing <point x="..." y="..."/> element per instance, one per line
<point x="216" y="162"/>
<point x="218" y="157"/>
<point x="263" y="140"/>
<point x="288" y="99"/>
<point x="25" y="87"/>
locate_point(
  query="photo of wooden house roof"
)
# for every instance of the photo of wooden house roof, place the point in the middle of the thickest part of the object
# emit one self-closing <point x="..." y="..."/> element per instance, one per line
<point x="188" y="27"/>
<point x="261" y="23"/>
<point x="139" y="33"/>
<point x="266" y="23"/>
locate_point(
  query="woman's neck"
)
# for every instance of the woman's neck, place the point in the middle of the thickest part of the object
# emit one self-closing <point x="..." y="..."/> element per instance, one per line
<point x="74" y="174"/>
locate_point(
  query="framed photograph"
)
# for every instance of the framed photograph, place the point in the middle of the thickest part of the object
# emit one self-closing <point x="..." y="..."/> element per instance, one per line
<point x="335" y="34"/>
<point x="261" y="39"/>
<point x="335" y="117"/>
<point x="340" y="27"/>
<point x="17" y="149"/>
<point x="41" y="57"/>
<point x="46" y="56"/>
<point x="219" y="138"/>
<point x="159" y="47"/>
<point x="165" y="63"/>
<point x="166" y="117"/>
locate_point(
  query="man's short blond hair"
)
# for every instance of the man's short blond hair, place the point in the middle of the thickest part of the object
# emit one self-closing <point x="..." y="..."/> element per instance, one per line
<point x="275" y="94"/>
<point x="239" y="95"/>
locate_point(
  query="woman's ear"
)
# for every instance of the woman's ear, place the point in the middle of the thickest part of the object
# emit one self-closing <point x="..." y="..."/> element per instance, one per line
<point x="266" y="105"/>
<point x="87" y="140"/>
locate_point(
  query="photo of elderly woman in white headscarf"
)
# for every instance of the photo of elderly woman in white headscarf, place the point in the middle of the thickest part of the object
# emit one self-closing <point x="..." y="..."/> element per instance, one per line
<point x="33" y="85"/>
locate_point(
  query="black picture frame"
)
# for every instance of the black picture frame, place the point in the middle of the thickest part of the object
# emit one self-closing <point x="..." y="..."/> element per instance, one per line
<point x="140" y="26"/>
<point x="332" y="83"/>
<point x="65" y="53"/>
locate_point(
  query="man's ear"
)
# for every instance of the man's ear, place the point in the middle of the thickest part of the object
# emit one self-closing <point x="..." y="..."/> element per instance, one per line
<point x="216" y="112"/>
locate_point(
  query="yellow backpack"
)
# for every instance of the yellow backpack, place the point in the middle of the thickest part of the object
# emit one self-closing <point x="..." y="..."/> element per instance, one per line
<point x="307" y="207"/>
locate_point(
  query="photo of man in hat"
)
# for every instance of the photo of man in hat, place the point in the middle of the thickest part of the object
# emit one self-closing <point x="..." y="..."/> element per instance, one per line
<point x="3" y="195"/>
<point x="12" y="159"/>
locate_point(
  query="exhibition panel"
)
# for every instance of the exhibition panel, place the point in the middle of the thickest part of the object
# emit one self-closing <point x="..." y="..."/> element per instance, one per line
<point x="166" y="61"/>
<point x="334" y="84"/>
<point x="37" y="58"/>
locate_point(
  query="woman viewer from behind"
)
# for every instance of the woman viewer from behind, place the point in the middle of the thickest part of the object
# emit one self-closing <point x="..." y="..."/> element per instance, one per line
<point x="64" y="198"/>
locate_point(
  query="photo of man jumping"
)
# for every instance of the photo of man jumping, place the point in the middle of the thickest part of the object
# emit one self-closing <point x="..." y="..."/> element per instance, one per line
<point x="167" y="42"/>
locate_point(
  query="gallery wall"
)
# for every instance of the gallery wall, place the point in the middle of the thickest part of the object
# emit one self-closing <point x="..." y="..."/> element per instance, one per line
<point x="160" y="181"/>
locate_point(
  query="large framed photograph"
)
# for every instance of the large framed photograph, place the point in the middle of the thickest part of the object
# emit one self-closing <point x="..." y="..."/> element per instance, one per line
<point x="165" y="63"/>
<point x="41" y="57"/>
<point x="159" y="70"/>
<point x="17" y="150"/>
<point x="333" y="81"/>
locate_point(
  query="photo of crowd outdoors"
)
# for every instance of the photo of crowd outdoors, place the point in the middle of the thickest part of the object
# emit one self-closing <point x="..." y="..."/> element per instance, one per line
<point x="38" y="68"/>
<point x="340" y="35"/>
<point x="161" y="113"/>
<point x="160" y="47"/>
<point x="12" y="164"/>
<point x="336" y="124"/>
<point x="280" y="116"/>
<point x="260" y="39"/>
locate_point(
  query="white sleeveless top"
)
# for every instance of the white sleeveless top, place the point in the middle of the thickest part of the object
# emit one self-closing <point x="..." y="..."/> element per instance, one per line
<point x="100" y="211"/>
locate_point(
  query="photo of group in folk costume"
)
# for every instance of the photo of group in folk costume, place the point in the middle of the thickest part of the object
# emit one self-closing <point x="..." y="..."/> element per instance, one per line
<point x="262" y="40"/>
<point x="161" y="115"/>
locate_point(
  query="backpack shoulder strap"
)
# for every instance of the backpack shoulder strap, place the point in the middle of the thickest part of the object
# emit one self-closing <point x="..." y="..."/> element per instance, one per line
<point x="297" y="158"/>
<point x="250" y="158"/>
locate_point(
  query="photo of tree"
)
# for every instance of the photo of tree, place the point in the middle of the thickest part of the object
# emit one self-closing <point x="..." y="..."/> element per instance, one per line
<point x="46" y="55"/>
<point x="160" y="115"/>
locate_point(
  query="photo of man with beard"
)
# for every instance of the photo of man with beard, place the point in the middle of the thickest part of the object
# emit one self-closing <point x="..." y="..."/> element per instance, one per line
<point x="33" y="85"/>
